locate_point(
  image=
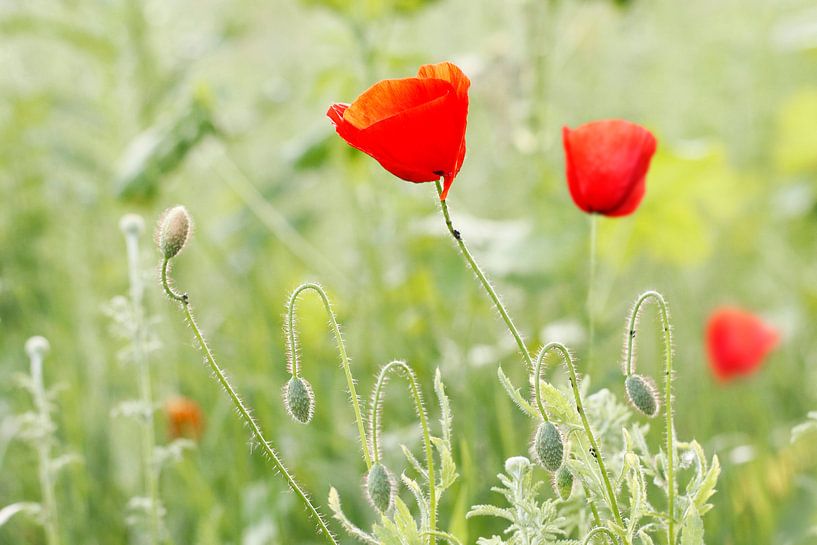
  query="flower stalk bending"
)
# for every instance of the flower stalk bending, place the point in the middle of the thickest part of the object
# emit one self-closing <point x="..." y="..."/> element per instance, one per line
<point x="295" y="367"/>
<point x="173" y="233"/>
<point x="629" y="370"/>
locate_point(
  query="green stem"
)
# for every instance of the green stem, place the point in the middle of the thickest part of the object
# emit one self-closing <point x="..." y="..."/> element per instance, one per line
<point x="484" y="281"/>
<point x="598" y="531"/>
<point x="668" y="416"/>
<point x="43" y="445"/>
<point x="145" y="391"/>
<point x="421" y="414"/>
<point x="591" y="290"/>
<point x="243" y="412"/>
<point x="574" y="383"/>
<point x="344" y="358"/>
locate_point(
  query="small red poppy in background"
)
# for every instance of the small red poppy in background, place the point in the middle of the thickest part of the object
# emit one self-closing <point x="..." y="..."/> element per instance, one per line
<point x="606" y="163"/>
<point x="414" y="127"/>
<point x="184" y="418"/>
<point x="737" y="342"/>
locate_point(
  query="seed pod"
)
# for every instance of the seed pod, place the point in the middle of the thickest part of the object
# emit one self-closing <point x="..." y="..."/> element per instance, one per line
<point x="299" y="400"/>
<point x="548" y="446"/>
<point x="380" y="487"/>
<point x="642" y="394"/>
<point x="173" y="231"/>
<point x="563" y="482"/>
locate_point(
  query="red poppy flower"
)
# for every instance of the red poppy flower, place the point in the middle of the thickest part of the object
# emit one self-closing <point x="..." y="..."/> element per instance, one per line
<point x="607" y="164"/>
<point x="737" y="342"/>
<point x="183" y="418"/>
<point x="414" y="127"/>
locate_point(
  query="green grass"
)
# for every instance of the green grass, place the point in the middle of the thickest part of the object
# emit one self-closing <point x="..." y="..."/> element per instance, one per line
<point x="729" y="217"/>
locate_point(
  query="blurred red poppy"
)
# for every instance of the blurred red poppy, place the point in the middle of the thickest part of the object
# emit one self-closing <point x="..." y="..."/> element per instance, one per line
<point x="414" y="127"/>
<point x="737" y="342"/>
<point x="606" y="163"/>
<point x="184" y="418"/>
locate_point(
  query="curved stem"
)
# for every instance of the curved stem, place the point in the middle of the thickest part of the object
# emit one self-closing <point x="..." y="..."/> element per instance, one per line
<point x="43" y="446"/>
<point x="243" y="412"/>
<point x="374" y="424"/>
<point x="668" y="416"/>
<point x="444" y="535"/>
<point x="598" y="531"/>
<point x="574" y="383"/>
<point x="344" y="357"/>
<point x="149" y="469"/>
<point x="484" y="280"/>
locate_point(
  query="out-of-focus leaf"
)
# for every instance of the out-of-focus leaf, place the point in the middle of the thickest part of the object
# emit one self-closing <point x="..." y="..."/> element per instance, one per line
<point x="689" y="192"/>
<point x="28" y="508"/>
<point x="159" y="151"/>
<point x="83" y="40"/>
<point x="796" y="142"/>
<point x="371" y="9"/>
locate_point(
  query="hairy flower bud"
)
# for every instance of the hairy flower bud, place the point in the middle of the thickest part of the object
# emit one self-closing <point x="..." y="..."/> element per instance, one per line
<point x="299" y="400"/>
<point x="380" y="487"/>
<point x="642" y="394"/>
<point x="548" y="446"/>
<point x="173" y="231"/>
<point x="563" y="482"/>
<point x="37" y="347"/>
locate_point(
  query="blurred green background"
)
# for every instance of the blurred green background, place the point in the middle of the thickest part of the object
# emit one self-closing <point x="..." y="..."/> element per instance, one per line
<point x="109" y="107"/>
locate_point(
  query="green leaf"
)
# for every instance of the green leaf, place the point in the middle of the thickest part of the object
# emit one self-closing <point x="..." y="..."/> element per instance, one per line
<point x="692" y="530"/>
<point x="516" y="397"/>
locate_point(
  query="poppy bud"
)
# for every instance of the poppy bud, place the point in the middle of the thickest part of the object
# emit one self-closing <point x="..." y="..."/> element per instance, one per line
<point x="414" y="127"/>
<point x="642" y="394"/>
<point x="173" y="231"/>
<point x="299" y="400"/>
<point x="737" y="342"/>
<point x="380" y="487"/>
<point x="607" y="164"/>
<point x="548" y="446"/>
<point x="563" y="483"/>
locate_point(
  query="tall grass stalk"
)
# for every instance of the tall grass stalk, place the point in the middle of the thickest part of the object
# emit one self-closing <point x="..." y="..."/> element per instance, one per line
<point x="133" y="226"/>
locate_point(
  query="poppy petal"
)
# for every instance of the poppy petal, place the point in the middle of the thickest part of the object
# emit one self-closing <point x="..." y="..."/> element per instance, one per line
<point x="391" y="97"/>
<point x="607" y="163"/>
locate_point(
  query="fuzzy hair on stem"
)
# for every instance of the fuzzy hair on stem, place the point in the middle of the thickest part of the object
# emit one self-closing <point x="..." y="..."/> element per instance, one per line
<point x="629" y="368"/>
<point x="293" y="354"/>
<point x="374" y="423"/>
<point x="269" y="452"/>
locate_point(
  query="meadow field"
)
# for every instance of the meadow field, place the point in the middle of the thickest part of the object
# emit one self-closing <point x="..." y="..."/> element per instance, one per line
<point x="112" y="112"/>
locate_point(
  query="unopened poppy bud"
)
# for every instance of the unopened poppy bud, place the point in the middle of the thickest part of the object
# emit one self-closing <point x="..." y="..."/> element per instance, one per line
<point x="173" y="232"/>
<point x="380" y="487"/>
<point x="548" y="446"/>
<point x="563" y="483"/>
<point x="299" y="400"/>
<point x="132" y="225"/>
<point x="37" y="347"/>
<point x="642" y="394"/>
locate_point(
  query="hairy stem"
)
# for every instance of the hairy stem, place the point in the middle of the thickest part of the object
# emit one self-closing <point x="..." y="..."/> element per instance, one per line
<point x="374" y="423"/>
<point x="344" y="358"/>
<point x="591" y="290"/>
<point x="43" y="445"/>
<point x="597" y="531"/>
<point x="668" y="416"/>
<point x="484" y="280"/>
<point x="243" y="412"/>
<point x="574" y="384"/>
<point x="149" y="469"/>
